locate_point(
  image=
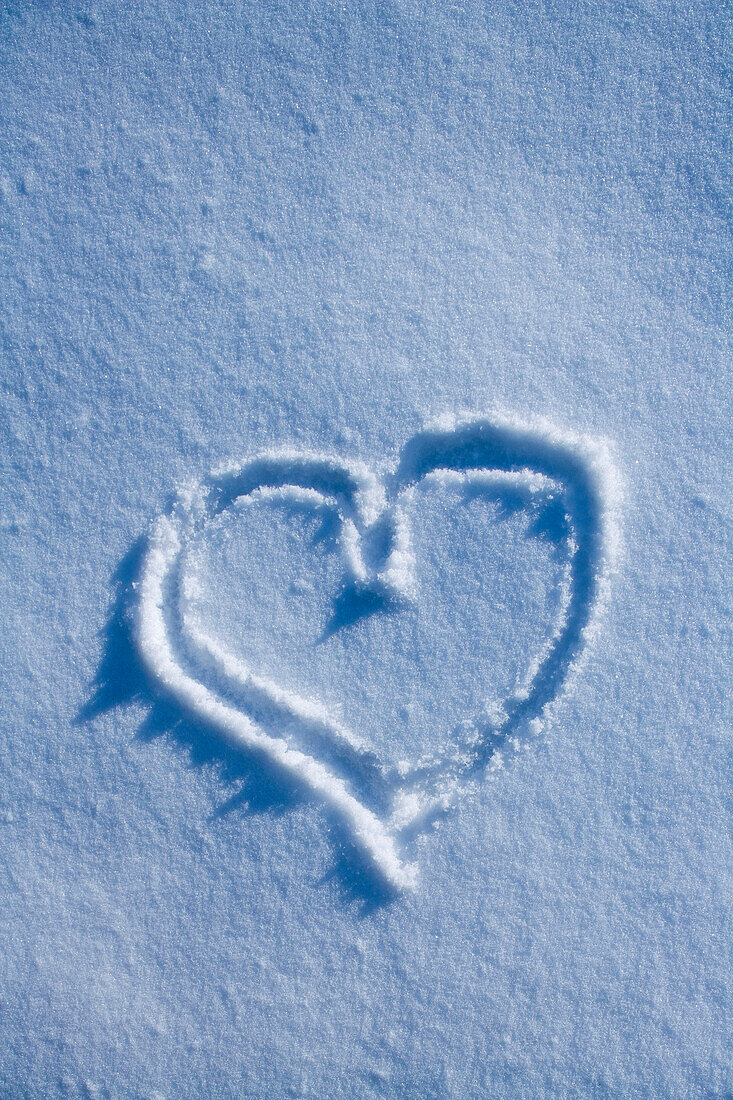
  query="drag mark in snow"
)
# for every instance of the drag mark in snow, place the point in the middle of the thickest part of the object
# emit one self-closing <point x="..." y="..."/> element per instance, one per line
<point x="380" y="807"/>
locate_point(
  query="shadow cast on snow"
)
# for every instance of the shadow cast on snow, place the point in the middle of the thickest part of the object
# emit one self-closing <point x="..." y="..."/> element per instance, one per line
<point x="261" y="788"/>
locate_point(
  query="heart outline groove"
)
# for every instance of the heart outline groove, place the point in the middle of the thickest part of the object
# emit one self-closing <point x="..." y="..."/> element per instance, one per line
<point x="381" y="807"/>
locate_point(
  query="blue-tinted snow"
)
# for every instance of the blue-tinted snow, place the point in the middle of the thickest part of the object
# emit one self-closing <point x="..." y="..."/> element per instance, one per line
<point x="227" y="229"/>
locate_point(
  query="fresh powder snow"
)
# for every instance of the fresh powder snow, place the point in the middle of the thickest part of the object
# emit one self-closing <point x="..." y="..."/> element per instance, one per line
<point x="365" y="663"/>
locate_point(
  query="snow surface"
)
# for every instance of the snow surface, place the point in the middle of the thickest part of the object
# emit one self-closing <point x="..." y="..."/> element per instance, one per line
<point x="365" y="516"/>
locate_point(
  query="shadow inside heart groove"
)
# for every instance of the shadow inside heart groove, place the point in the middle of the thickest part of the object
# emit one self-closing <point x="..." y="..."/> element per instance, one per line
<point x="271" y="584"/>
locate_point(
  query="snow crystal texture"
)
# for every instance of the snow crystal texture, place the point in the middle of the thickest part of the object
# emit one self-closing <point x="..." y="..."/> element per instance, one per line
<point x="365" y="664"/>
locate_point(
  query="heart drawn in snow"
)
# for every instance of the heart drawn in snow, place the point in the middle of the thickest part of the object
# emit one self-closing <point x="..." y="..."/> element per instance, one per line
<point x="565" y="482"/>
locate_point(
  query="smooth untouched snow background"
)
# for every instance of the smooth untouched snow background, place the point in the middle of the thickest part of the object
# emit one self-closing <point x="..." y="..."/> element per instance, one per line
<point x="225" y="228"/>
